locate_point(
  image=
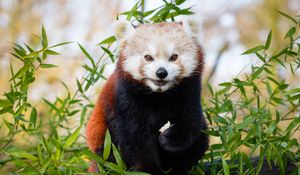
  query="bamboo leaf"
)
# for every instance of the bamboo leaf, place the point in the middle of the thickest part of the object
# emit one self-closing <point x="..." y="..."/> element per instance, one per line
<point x="48" y="65"/>
<point x="71" y="139"/>
<point x="33" y="117"/>
<point x="51" y="52"/>
<point x="44" y="38"/>
<point x="21" y="71"/>
<point x="87" y="55"/>
<point x="107" y="146"/>
<point x="108" y="40"/>
<point x="253" y="50"/>
<point x="60" y="44"/>
<point x="111" y="56"/>
<point x="225" y="167"/>
<point x="118" y="157"/>
<point x="23" y="154"/>
<point x="268" y="42"/>
<point x="178" y="2"/>
<point x="287" y="16"/>
<point x="290" y="33"/>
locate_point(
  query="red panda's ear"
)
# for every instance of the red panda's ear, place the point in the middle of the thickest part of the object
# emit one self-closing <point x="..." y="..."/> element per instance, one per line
<point x="123" y="30"/>
<point x="190" y="27"/>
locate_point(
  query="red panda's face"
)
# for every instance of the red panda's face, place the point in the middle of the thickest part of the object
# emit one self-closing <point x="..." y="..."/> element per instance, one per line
<point x="159" y="55"/>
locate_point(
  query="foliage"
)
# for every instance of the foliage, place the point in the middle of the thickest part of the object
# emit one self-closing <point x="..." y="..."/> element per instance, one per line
<point x="258" y="111"/>
<point x="269" y="107"/>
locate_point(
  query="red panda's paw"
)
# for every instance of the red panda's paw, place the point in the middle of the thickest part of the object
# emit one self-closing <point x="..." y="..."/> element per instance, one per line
<point x="175" y="139"/>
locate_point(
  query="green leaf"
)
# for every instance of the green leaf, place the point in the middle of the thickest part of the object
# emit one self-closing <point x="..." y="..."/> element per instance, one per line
<point x="60" y="44"/>
<point x="22" y="154"/>
<point x="33" y="54"/>
<point x="245" y="123"/>
<point x="268" y="42"/>
<point x="178" y="2"/>
<point x="51" y="52"/>
<point x="293" y="124"/>
<point x="253" y="50"/>
<point x="130" y="13"/>
<point x="45" y="165"/>
<point x="73" y="112"/>
<point x="287" y="16"/>
<point x="83" y="114"/>
<point x="292" y="91"/>
<point x="47" y="145"/>
<point x="219" y="119"/>
<point x="20" y="48"/>
<point x="118" y="157"/>
<point x="21" y="71"/>
<point x="261" y="159"/>
<point x="185" y="12"/>
<point x="44" y="38"/>
<point x="107" y="145"/>
<point x="256" y="73"/>
<point x="295" y="97"/>
<point x="33" y="117"/>
<point x="263" y="59"/>
<point x="290" y="33"/>
<point x="111" y="56"/>
<point x="71" y="139"/>
<point x="48" y="65"/>
<point x="226" y="84"/>
<point x="29" y="48"/>
<point x="114" y="167"/>
<point x="52" y="106"/>
<point x="108" y="40"/>
<point x="79" y="86"/>
<point x="20" y="52"/>
<point x="161" y="14"/>
<point x="147" y="13"/>
<point x="212" y="133"/>
<point x="87" y="55"/>
<point x="5" y="103"/>
<point x="272" y="127"/>
<point x="226" y="169"/>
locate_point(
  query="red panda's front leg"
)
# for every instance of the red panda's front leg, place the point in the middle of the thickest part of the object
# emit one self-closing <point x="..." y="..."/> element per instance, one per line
<point x="95" y="132"/>
<point x="96" y="127"/>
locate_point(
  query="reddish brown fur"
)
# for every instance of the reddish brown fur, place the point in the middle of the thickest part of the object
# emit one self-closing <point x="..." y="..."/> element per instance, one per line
<point x="199" y="68"/>
<point x="96" y="126"/>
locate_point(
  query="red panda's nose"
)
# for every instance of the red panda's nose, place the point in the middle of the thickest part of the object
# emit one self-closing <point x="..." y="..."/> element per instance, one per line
<point x="161" y="73"/>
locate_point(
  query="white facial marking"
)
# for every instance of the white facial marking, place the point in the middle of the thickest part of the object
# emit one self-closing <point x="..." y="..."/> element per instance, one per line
<point x="131" y="64"/>
<point x="189" y="63"/>
<point x="160" y="42"/>
<point x="156" y="88"/>
<point x="151" y="49"/>
<point x="171" y="48"/>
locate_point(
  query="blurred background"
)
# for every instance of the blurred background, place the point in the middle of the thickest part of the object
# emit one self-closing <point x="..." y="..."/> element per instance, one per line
<point x="228" y="27"/>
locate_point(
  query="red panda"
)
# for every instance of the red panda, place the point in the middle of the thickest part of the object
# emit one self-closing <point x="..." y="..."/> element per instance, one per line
<point x="151" y="103"/>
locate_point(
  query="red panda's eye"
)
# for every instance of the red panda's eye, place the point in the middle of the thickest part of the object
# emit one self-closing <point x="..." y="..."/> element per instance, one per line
<point x="148" y="58"/>
<point x="174" y="57"/>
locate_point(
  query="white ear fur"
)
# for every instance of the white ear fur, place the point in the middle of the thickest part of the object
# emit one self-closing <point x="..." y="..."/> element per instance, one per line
<point x="191" y="27"/>
<point x="123" y="29"/>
